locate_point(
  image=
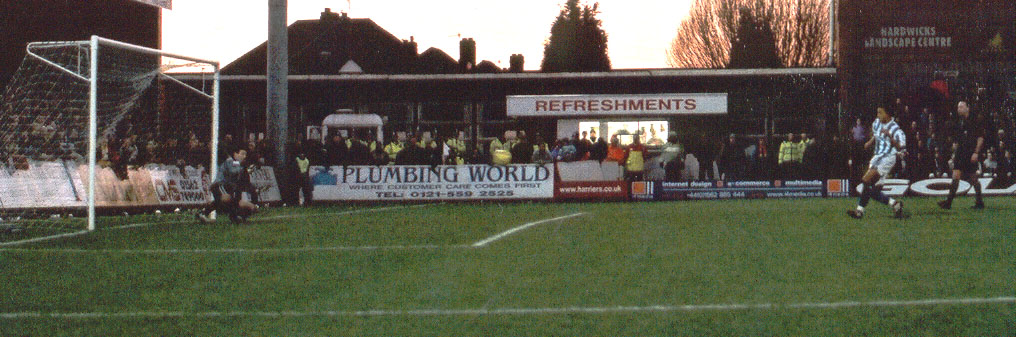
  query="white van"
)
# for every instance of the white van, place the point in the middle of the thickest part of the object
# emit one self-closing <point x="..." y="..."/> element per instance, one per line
<point x="345" y="123"/>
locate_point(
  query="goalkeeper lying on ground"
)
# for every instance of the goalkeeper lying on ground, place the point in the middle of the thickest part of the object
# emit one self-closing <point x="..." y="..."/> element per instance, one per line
<point x="226" y="191"/>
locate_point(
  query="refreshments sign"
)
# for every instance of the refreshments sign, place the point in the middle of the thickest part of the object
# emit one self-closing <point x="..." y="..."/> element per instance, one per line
<point x="617" y="105"/>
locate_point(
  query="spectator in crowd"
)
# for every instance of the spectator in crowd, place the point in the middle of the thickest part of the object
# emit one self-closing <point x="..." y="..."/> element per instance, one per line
<point x="359" y="152"/>
<point x="990" y="163"/>
<point x="615" y="152"/>
<point x="731" y="159"/>
<point x="672" y="158"/>
<point x="942" y="166"/>
<point x="129" y="150"/>
<point x="455" y="148"/>
<point x="598" y="152"/>
<point x="925" y="117"/>
<point x="1002" y="140"/>
<point x="313" y="148"/>
<point x="522" y="151"/>
<point x="837" y="162"/>
<point x="116" y="160"/>
<point x="300" y="179"/>
<point x="762" y="165"/>
<point x="919" y="162"/>
<point x="432" y="148"/>
<point x="704" y="151"/>
<point x="147" y="149"/>
<point x="196" y="154"/>
<point x="933" y="142"/>
<point x="859" y="132"/>
<point x="251" y="164"/>
<point x="377" y="154"/>
<point x="567" y="151"/>
<point x="376" y="150"/>
<point x="634" y="160"/>
<point x="265" y="151"/>
<point x="336" y="151"/>
<point x="582" y="146"/>
<point x="802" y="146"/>
<point x="496" y="144"/>
<point x="542" y="154"/>
<point x="814" y="159"/>
<point x="412" y="154"/>
<point x="395" y="145"/>
<point x="68" y="150"/>
<point x="1006" y="167"/>
<point x="225" y="144"/>
<point x="654" y="138"/>
<point x="788" y="153"/>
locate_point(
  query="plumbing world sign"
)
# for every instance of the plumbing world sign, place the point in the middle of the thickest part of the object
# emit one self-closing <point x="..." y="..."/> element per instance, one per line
<point x="616" y="105"/>
<point x="442" y="182"/>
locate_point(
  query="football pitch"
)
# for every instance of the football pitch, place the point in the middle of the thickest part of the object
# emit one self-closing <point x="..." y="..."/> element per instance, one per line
<point x="738" y="267"/>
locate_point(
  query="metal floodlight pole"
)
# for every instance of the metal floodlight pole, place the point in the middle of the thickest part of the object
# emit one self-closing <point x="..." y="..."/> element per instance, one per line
<point x="832" y="32"/>
<point x="93" y="114"/>
<point x="276" y="116"/>
<point x="214" y="143"/>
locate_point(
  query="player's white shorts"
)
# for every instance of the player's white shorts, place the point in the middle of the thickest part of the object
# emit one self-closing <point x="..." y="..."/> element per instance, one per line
<point x="883" y="163"/>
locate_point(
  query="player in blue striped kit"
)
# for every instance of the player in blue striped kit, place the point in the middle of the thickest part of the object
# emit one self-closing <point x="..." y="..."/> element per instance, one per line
<point x="889" y="140"/>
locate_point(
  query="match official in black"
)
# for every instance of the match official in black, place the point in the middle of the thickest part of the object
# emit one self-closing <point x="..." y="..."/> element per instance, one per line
<point x="968" y="140"/>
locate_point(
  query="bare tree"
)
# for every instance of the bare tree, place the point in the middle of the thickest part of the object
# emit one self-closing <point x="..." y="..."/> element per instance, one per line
<point x="705" y="37"/>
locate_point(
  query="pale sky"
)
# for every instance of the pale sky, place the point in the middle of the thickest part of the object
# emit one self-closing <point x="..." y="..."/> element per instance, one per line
<point x="639" y="31"/>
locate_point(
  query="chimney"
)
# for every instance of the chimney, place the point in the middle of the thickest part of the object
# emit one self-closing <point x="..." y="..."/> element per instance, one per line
<point x="516" y="63"/>
<point x="328" y="14"/>
<point x="411" y="46"/>
<point x="467" y="53"/>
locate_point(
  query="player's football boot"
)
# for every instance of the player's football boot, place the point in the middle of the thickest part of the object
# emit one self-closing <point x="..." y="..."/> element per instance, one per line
<point x="855" y="214"/>
<point x="898" y="209"/>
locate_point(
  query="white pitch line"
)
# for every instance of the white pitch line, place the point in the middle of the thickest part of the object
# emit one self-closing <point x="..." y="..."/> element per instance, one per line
<point x="484" y="242"/>
<point x="238" y="250"/>
<point x="45" y="238"/>
<point x="514" y="311"/>
<point x="278" y="216"/>
<point x="144" y="224"/>
<point x="339" y="213"/>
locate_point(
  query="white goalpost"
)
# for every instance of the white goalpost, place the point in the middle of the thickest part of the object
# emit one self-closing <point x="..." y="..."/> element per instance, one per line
<point x="150" y="139"/>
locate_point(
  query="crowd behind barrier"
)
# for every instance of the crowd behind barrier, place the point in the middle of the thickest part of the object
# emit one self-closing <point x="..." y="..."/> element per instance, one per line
<point x="925" y="112"/>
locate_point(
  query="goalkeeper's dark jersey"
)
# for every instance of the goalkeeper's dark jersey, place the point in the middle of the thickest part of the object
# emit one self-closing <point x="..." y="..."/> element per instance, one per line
<point x="229" y="174"/>
<point x="965" y="132"/>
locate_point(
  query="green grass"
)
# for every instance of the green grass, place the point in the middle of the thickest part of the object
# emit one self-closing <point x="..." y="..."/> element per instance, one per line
<point x="305" y="262"/>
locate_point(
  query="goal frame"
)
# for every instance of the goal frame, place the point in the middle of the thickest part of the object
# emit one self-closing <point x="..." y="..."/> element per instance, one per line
<point x="93" y="79"/>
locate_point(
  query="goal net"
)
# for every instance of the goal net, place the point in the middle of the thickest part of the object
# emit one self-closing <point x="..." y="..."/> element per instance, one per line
<point x="93" y="130"/>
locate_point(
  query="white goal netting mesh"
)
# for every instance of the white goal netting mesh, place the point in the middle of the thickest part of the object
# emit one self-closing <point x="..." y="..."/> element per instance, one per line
<point x="152" y="141"/>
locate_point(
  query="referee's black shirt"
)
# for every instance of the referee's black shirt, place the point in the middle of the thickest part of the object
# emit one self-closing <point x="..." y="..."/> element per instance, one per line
<point x="965" y="132"/>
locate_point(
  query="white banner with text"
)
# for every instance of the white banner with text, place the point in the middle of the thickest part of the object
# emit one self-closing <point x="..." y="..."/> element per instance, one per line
<point x="616" y="105"/>
<point x="442" y="182"/>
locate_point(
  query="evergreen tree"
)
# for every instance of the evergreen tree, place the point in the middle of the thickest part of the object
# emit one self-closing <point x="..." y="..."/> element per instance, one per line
<point x="577" y="42"/>
<point x="754" y="44"/>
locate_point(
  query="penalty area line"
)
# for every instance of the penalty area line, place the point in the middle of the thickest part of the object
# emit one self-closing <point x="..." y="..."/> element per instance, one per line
<point x="501" y="235"/>
<point x="145" y="224"/>
<point x="516" y="311"/>
<point x="243" y="250"/>
<point x="276" y="217"/>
